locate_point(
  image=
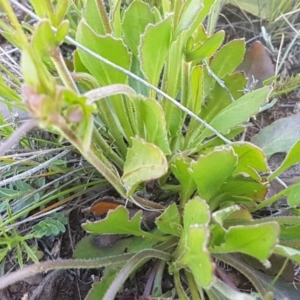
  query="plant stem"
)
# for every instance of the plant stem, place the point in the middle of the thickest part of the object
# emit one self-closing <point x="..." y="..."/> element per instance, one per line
<point x="278" y="274"/>
<point x="246" y="270"/>
<point x="192" y="284"/>
<point x="107" y="150"/>
<point x="63" y="71"/>
<point x="158" y="279"/>
<point x="179" y="289"/>
<point x="276" y="197"/>
<point x="49" y="11"/>
<point x="16" y="136"/>
<point x="31" y="270"/>
<point x="135" y="261"/>
<point x="14" y="21"/>
<point x="86" y="79"/>
<point x="103" y="166"/>
<point x="103" y="14"/>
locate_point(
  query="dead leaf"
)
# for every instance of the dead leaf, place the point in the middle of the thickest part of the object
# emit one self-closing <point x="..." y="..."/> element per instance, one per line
<point x="103" y="205"/>
<point x="257" y="65"/>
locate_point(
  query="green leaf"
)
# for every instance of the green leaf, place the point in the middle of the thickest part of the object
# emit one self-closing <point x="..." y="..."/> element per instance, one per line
<point x="108" y="47"/>
<point x="180" y="168"/>
<point x="238" y="111"/>
<point x="155" y="132"/>
<point x="291" y="159"/>
<point x="136" y="18"/>
<point x="35" y="72"/>
<point x="263" y="9"/>
<point x="117" y="113"/>
<point x="200" y="35"/>
<point x="190" y="12"/>
<point x="43" y="10"/>
<point x="8" y="194"/>
<point x="291" y="253"/>
<point x="192" y="250"/>
<point x="87" y="248"/>
<point x="62" y="31"/>
<point x="207" y="49"/>
<point x="116" y="21"/>
<point x="136" y="244"/>
<point x="211" y="170"/>
<point x="169" y="221"/>
<point x="280" y="136"/>
<point x="155" y="43"/>
<point x="44" y="39"/>
<point x="222" y="214"/>
<point x="31" y="255"/>
<point x="255" y="240"/>
<point x="289" y="233"/>
<point x="216" y="100"/>
<point x="50" y="226"/>
<point x="250" y="159"/>
<point x="95" y="15"/>
<point x="240" y="185"/>
<point x="196" y="212"/>
<point x="196" y="256"/>
<point x="7" y="92"/>
<point x="79" y="67"/>
<point x="60" y="11"/>
<point x="99" y="289"/>
<point x="223" y="291"/>
<point x="172" y="69"/>
<point x="144" y="161"/>
<point x="197" y="89"/>
<point x="228" y="58"/>
<point x="218" y="97"/>
<point x="293" y="196"/>
<point x="117" y="222"/>
<point x="3" y="253"/>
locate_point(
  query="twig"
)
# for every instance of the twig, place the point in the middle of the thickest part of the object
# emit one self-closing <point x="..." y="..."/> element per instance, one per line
<point x="16" y="136"/>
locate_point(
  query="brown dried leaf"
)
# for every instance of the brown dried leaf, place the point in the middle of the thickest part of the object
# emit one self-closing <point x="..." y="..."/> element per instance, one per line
<point x="257" y="64"/>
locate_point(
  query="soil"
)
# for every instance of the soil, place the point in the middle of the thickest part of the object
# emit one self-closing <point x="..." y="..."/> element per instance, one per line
<point x="75" y="284"/>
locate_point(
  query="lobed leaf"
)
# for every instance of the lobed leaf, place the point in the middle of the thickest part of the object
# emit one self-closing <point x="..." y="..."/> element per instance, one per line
<point x="169" y="221"/>
<point x="180" y="168"/>
<point x="255" y="240"/>
<point x="117" y="221"/>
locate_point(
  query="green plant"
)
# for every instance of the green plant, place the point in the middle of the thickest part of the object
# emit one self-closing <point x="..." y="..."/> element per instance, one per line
<point x="51" y="225"/>
<point x="154" y="98"/>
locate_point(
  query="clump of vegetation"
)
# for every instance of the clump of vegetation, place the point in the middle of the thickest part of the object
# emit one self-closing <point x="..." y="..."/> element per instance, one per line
<point x="153" y="102"/>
